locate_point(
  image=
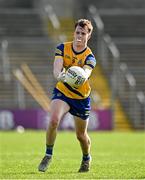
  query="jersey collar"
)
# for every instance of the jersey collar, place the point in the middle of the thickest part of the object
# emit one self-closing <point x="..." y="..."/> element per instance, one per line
<point x="76" y="51"/>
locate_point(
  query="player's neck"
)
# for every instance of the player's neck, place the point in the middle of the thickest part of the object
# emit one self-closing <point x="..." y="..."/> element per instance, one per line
<point x="78" y="48"/>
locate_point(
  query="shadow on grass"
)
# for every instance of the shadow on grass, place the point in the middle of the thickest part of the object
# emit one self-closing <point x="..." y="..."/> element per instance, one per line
<point x="39" y="172"/>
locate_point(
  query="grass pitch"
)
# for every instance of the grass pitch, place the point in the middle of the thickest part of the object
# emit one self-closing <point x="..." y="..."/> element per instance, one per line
<point x="116" y="155"/>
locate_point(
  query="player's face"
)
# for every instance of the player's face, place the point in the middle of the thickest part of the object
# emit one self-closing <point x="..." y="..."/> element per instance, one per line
<point x="81" y="36"/>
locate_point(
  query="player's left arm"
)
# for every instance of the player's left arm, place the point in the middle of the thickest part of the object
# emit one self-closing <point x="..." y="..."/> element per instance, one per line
<point x="88" y="70"/>
<point x="89" y="65"/>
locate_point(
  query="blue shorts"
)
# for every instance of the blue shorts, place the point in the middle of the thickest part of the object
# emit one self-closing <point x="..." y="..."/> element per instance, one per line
<point x="78" y="107"/>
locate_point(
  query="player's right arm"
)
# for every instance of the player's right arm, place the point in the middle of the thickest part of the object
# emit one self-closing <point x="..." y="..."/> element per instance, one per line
<point x="58" y="69"/>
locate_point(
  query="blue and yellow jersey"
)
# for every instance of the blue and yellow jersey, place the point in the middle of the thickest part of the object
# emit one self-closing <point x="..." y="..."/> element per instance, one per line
<point x="72" y="58"/>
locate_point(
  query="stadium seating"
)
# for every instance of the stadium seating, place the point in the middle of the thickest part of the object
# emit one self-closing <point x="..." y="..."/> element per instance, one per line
<point x="127" y="29"/>
<point x="27" y="43"/>
<point x="124" y="22"/>
<point x="133" y="54"/>
<point x="20" y="23"/>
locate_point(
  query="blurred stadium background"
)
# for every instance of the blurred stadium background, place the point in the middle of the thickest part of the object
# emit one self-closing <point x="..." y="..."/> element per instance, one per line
<point x="29" y="32"/>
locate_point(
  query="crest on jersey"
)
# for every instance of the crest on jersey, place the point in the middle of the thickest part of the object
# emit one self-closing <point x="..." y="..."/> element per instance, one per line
<point x="80" y="62"/>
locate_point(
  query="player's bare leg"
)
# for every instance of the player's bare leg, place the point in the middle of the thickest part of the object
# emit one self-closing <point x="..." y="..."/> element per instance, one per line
<point x="58" y="109"/>
<point x="82" y="136"/>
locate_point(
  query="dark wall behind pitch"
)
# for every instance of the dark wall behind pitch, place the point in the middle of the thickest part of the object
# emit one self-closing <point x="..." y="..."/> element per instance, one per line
<point x="102" y="4"/>
<point x="16" y="3"/>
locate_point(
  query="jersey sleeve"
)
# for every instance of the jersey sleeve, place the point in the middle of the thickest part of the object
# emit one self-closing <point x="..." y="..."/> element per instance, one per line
<point x="59" y="51"/>
<point x="90" y="61"/>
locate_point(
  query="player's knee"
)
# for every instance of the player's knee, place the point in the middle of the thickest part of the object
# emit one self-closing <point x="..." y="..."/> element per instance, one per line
<point x="54" y="124"/>
<point x="54" y="121"/>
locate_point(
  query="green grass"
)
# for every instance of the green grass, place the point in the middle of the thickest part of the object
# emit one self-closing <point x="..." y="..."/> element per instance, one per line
<point x="116" y="155"/>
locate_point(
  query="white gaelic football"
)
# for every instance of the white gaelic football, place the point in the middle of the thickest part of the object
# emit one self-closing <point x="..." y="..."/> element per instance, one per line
<point x="75" y="76"/>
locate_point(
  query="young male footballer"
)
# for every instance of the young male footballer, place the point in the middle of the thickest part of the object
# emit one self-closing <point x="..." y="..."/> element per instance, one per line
<point x="67" y="98"/>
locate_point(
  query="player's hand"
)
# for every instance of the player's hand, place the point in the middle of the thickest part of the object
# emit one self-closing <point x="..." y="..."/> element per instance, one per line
<point x="61" y="77"/>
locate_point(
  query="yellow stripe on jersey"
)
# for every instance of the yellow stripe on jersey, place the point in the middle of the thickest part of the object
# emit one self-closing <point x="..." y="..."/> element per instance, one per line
<point x="72" y="58"/>
<point x="57" y="57"/>
<point x="58" y="52"/>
